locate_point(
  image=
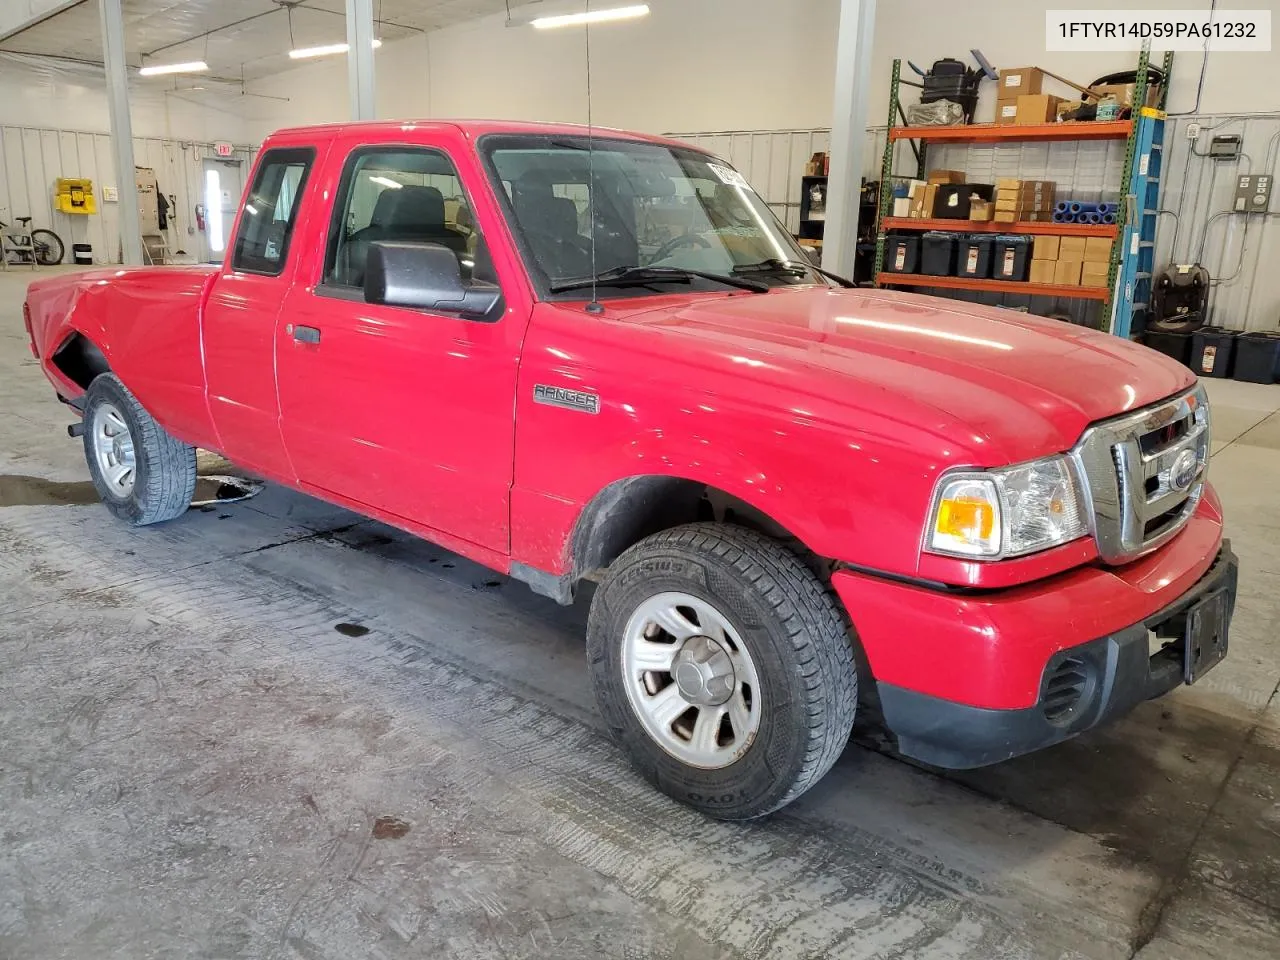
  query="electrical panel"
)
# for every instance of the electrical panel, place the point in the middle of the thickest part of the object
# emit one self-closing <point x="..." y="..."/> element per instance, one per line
<point x="1225" y="146"/>
<point x="1253" y="193"/>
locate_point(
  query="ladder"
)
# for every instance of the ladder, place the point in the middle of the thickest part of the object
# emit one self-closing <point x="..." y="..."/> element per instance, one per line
<point x="1132" y="285"/>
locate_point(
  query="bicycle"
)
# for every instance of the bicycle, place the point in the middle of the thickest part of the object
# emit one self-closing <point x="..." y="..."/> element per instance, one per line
<point x="26" y="247"/>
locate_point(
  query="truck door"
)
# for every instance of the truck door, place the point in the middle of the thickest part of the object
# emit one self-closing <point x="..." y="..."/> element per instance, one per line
<point x="406" y="411"/>
<point x="240" y="316"/>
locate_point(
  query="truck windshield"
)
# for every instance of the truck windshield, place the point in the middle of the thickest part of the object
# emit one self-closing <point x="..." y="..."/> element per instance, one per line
<point x="646" y="206"/>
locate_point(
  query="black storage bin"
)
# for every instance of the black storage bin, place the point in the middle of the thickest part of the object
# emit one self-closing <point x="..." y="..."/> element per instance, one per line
<point x="1175" y="345"/>
<point x="1258" y="357"/>
<point x="82" y="253"/>
<point x="1213" y="351"/>
<point x="938" y="254"/>
<point x="901" y="252"/>
<point x="1010" y="257"/>
<point x="973" y="255"/>
<point x="953" y="200"/>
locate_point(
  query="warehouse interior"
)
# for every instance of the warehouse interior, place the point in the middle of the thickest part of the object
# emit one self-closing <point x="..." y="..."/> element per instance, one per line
<point x="279" y="725"/>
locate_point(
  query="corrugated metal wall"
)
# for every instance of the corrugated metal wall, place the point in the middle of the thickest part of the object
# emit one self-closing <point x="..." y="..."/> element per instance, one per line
<point x="31" y="159"/>
<point x="1241" y="254"/>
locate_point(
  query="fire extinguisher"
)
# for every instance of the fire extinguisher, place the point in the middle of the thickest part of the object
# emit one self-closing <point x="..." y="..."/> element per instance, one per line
<point x="200" y="217"/>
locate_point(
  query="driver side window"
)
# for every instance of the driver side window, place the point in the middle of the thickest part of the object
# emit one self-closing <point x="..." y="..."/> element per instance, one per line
<point x="406" y="194"/>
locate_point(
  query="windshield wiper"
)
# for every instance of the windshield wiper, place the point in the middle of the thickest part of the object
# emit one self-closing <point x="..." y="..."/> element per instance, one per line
<point x="640" y="276"/>
<point x="789" y="268"/>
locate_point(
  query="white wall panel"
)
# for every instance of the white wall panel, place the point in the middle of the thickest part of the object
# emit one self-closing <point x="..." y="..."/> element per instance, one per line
<point x="32" y="159"/>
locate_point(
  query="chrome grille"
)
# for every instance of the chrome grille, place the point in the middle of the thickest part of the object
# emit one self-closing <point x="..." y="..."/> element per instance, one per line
<point x="1144" y="474"/>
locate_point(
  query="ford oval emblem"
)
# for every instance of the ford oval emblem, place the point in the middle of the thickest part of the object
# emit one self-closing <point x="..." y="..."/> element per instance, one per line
<point x="1182" y="472"/>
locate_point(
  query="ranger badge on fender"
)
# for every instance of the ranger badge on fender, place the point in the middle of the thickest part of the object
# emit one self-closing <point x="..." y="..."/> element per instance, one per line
<point x="579" y="400"/>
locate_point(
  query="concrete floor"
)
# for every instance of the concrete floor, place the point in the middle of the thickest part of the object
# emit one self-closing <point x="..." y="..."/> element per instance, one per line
<point x="196" y="762"/>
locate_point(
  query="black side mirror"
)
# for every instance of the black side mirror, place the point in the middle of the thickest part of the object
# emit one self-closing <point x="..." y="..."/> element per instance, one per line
<point x="426" y="276"/>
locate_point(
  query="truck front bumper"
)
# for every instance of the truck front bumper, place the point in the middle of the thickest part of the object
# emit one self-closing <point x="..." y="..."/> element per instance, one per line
<point x="968" y="680"/>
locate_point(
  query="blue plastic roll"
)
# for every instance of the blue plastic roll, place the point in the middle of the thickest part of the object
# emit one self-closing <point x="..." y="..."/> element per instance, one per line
<point x="1062" y="207"/>
<point x="1075" y="207"/>
<point x="1105" y="208"/>
<point x="1059" y="216"/>
<point x="1108" y="218"/>
<point x="1094" y="217"/>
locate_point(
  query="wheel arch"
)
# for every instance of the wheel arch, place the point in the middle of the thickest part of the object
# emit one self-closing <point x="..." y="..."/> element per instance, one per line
<point x="627" y="510"/>
<point x="79" y="359"/>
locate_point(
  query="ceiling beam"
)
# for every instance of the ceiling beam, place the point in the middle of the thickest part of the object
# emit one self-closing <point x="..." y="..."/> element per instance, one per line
<point x="21" y="15"/>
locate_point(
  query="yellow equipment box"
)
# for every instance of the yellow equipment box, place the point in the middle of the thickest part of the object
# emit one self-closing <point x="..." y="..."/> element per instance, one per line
<point x="75" y="196"/>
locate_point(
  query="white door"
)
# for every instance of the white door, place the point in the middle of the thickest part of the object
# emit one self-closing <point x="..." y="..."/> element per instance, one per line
<point x="223" y="184"/>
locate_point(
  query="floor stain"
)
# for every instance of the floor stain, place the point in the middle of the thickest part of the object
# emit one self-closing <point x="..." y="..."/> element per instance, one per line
<point x="19" y="491"/>
<point x="22" y="491"/>
<point x="351" y="629"/>
<point x="389" y="828"/>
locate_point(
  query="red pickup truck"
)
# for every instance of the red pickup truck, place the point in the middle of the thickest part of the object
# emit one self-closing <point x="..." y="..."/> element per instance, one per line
<point x="579" y="356"/>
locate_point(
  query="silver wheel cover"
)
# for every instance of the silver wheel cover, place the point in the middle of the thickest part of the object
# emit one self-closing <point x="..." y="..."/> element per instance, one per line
<point x="690" y="680"/>
<point x="113" y="449"/>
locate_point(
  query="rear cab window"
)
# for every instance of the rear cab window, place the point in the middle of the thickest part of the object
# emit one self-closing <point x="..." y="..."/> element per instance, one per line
<point x="271" y="210"/>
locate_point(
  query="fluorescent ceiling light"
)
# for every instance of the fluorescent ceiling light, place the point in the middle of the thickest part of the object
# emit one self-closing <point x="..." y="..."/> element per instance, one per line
<point x="593" y="16"/>
<point x="195" y="66"/>
<point x="386" y="182"/>
<point x="305" y="53"/>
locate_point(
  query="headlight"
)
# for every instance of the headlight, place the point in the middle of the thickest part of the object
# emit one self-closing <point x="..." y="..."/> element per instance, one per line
<point x="1008" y="512"/>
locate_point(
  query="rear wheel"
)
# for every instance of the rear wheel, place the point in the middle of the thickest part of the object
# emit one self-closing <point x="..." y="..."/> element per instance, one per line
<point x="48" y="247"/>
<point x="723" y="667"/>
<point x="142" y="473"/>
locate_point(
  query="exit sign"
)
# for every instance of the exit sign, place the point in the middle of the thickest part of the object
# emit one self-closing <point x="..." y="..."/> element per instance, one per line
<point x="224" y="149"/>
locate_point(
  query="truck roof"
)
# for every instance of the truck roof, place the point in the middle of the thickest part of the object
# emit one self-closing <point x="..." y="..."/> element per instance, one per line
<point x="376" y="130"/>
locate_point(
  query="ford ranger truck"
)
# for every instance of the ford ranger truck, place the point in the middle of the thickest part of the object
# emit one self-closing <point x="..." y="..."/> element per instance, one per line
<point x="598" y="357"/>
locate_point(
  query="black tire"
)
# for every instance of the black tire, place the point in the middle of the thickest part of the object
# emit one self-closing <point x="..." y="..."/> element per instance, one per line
<point x="1176" y="326"/>
<point x="164" y="479"/>
<point x="48" y="247"/>
<point x="794" y="634"/>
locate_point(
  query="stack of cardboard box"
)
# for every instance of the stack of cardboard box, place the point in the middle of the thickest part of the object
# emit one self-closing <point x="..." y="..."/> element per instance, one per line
<point x="1071" y="261"/>
<point x="1024" y="200"/>
<point x="922" y="196"/>
<point x="1019" y="98"/>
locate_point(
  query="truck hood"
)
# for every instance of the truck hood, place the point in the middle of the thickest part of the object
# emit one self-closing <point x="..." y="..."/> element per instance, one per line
<point x="1022" y="386"/>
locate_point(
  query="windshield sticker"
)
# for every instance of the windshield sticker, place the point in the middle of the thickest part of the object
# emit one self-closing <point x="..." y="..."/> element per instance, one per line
<point x="729" y="176"/>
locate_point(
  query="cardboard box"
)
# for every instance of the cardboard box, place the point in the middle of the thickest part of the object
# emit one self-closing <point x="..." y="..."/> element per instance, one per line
<point x="1066" y="273"/>
<point x="1006" y="111"/>
<point x="930" y="199"/>
<point x="1094" y="274"/>
<point x="817" y="165"/>
<point x="1097" y="250"/>
<point x="1026" y="187"/>
<point x="1017" y="81"/>
<point x="1023" y="216"/>
<point x="915" y="199"/>
<point x="981" y="211"/>
<point x="1042" y="270"/>
<point x="1123" y="92"/>
<point x="1037" y="108"/>
<point x="946" y="176"/>
<point x="1044" y="247"/>
<point x="1071" y="248"/>
<point x="1017" y="205"/>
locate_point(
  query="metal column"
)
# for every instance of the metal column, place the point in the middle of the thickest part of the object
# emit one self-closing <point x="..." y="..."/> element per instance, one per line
<point x="360" y="58"/>
<point x="848" y="134"/>
<point x="121" y="129"/>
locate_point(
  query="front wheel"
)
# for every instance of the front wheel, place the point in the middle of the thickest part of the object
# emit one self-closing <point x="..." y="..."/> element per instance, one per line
<point x="47" y="247"/>
<point x="142" y="473"/>
<point x="723" y="667"/>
